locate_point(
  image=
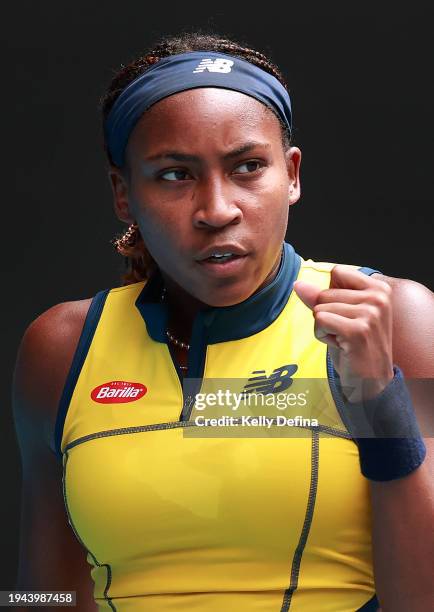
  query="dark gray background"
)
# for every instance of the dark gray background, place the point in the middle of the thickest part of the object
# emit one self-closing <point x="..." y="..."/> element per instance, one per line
<point x="361" y="82"/>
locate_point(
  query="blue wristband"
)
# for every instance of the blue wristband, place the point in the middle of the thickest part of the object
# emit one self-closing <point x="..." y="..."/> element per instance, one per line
<point x="386" y="432"/>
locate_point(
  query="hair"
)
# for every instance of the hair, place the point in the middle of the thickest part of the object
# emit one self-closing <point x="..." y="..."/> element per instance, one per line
<point x="139" y="263"/>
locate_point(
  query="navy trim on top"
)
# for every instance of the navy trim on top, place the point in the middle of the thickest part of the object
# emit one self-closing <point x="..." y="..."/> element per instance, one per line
<point x="372" y="605"/>
<point x="369" y="271"/>
<point x="259" y="310"/>
<point x="88" y="331"/>
<point x="222" y="324"/>
<point x="335" y="388"/>
<point x="154" y="312"/>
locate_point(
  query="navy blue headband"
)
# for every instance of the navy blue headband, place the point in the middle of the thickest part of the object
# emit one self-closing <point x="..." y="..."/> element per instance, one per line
<point x="184" y="71"/>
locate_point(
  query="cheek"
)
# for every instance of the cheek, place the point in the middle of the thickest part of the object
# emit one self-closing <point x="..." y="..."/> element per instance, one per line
<point x="155" y="206"/>
<point x="271" y="205"/>
<point x="281" y="197"/>
<point x="161" y="226"/>
<point x="271" y="220"/>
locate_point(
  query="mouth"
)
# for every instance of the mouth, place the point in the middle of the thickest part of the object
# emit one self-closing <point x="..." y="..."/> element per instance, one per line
<point x="221" y="252"/>
<point x="220" y="265"/>
<point x="221" y="258"/>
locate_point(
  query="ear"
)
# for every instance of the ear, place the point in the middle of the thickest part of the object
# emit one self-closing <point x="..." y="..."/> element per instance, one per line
<point x="121" y="202"/>
<point x="293" y="161"/>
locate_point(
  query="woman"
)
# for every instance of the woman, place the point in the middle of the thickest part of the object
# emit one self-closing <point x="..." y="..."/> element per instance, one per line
<point x="198" y="137"/>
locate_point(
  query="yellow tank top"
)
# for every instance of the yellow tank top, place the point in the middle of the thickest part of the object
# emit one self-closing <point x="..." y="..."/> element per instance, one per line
<point x="177" y="516"/>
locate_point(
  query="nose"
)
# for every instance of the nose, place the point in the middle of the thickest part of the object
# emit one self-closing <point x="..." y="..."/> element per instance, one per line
<point x="216" y="206"/>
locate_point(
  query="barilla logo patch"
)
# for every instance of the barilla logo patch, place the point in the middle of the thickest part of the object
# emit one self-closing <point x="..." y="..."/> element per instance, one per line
<point x="118" y="392"/>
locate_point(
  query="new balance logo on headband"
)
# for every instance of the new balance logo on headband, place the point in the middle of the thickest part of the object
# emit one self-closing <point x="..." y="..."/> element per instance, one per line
<point x="218" y="65"/>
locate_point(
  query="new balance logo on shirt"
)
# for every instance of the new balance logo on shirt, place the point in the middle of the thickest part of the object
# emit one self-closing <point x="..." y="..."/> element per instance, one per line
<point x="279" y="380"/>
<point x="218" y="65"/>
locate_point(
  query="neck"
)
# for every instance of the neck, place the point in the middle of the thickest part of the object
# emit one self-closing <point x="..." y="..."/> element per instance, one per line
<point x="183" y="307"/>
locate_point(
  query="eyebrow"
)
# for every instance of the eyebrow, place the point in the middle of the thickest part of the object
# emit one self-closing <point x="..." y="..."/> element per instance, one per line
<point x="185" y="157"/>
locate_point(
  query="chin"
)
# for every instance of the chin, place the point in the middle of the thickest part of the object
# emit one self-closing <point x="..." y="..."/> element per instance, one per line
<point x="226" y="296"/>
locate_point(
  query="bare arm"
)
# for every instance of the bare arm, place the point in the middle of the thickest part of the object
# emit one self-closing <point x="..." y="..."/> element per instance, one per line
<point x="50" y="557"/>
<point x="403" y="509"/>
<point x="371" y="325"/>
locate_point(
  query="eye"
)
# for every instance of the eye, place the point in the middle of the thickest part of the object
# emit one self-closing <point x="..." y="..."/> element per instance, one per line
<point x="173" y="175"/>
<point x="251" y="166"/>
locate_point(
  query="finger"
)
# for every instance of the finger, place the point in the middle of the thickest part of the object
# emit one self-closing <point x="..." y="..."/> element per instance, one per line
<point x="346" y="296"/>
<point x="347" y="277"/>
<point x="351" y="311"/>
<point x="307" y="292"/>
<point x="330" y="340"/>
<point x="323" y="334"/>
<point x="334" y="324"/>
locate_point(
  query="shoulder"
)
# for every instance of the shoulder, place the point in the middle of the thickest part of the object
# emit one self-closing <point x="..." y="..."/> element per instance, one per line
<point x="409" y="297"/>
<point x="413" y="325"/>
<point x="49" y="554"/>
<point x="43" y="361"/>
<point x="53" y="333"/>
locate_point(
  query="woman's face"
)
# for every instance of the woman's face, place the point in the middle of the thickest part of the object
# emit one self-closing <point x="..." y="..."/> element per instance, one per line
<point x="207" y="173"/>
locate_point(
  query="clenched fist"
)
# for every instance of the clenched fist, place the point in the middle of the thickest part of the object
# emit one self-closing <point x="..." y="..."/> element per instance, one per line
<point x="354" y="318"/>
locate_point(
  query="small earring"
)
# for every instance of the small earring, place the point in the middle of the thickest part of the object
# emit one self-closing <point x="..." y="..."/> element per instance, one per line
<point x="128" y="239"/>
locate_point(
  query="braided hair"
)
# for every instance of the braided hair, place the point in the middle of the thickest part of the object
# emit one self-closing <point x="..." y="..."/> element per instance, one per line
<point x="138" y="261"/>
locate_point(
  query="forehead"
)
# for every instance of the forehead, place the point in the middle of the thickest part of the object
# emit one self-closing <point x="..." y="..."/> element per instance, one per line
<point x="207" y="115"/>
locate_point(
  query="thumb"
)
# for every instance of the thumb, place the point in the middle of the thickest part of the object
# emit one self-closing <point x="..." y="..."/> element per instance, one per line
<point x="307" y="293"/>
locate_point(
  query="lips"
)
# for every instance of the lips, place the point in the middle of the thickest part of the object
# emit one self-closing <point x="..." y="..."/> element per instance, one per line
<point x="220" y="259"/>
<point x="223" y="252"/>
<point x="229" y="268"/>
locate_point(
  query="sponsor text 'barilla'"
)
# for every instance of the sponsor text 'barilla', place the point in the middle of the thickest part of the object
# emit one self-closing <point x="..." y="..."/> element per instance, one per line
<point x="118" y="392"/>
